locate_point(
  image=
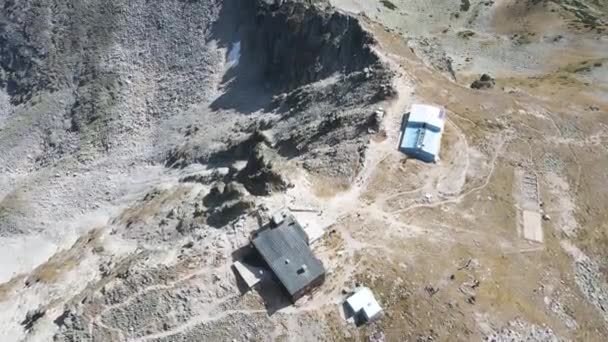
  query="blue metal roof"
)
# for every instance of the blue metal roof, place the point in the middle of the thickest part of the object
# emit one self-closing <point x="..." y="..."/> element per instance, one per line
<point x="410" y="137"/>
<point x="421" y="142"/>
<point x="431" y="116"/>
<point x="422" y="132"/>
<point x="431" y="142"/>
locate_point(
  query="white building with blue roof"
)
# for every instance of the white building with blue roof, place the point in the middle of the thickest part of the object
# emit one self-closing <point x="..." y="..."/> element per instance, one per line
<point x="421" y="137"/>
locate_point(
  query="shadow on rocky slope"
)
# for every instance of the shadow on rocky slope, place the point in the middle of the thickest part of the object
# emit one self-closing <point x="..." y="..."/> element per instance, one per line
<point x="307" y="77"/>
<point x="285" y="47"/>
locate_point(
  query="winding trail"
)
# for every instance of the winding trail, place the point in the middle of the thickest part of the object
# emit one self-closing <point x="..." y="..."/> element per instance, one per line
<point x="201" y="319"/>
<point x="459" y="198"/>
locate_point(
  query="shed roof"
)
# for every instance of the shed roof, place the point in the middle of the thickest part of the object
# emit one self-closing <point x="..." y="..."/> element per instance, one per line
<point x="364" y="301"/>
<point x="410" y="137"/>
<point x="248" y="273"/>
<point x="431" y="142"/>
<point x="286" y="252"/>
<point x="421" y="138"/>
<point x="426" y="114"/>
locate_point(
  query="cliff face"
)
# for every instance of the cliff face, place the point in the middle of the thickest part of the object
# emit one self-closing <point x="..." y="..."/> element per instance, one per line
<point x="112" y="73"/>
<point x="313" y="75"/>
<point x="299" y="44"/>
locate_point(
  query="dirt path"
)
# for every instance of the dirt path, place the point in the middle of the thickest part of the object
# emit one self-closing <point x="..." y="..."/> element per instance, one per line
<point x="201" y="319"/>
<point x="459" y="197"/>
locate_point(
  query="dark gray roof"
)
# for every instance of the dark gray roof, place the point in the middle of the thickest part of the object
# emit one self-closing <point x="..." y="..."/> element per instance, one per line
<point x="285" y="250"/>
<point x="291" y="223"/>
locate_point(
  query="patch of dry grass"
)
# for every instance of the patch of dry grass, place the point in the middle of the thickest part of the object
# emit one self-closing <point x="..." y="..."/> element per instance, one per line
<point x="64" y="261"/>
<point x="6" y="289"/>
<point x="325" y="187"/>
<point x="151" y="205"/>
<point x="594" y="242"/>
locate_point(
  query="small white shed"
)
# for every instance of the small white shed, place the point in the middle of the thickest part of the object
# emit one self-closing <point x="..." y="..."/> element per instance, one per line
<point x="364" y="303"/>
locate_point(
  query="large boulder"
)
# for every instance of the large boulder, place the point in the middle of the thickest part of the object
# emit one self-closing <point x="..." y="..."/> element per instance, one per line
<point x="484" y="82"/>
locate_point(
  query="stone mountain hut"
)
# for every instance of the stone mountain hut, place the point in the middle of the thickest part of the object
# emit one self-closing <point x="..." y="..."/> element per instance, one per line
<point x="285" y="250"/>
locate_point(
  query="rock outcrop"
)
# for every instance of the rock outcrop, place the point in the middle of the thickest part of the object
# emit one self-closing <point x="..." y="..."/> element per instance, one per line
<point x="261" y="176"/>
<point x="484" y="82"/>
<point x="320" y="79"/>
<point x="297" y="43"/>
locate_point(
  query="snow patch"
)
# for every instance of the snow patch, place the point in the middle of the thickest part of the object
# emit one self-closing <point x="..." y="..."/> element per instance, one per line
<point x="234" y="55"/>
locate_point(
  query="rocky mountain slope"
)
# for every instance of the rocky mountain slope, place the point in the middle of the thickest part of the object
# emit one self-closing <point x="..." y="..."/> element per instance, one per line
<point x="118" y="117"/>
<point x="141" y="142"/>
